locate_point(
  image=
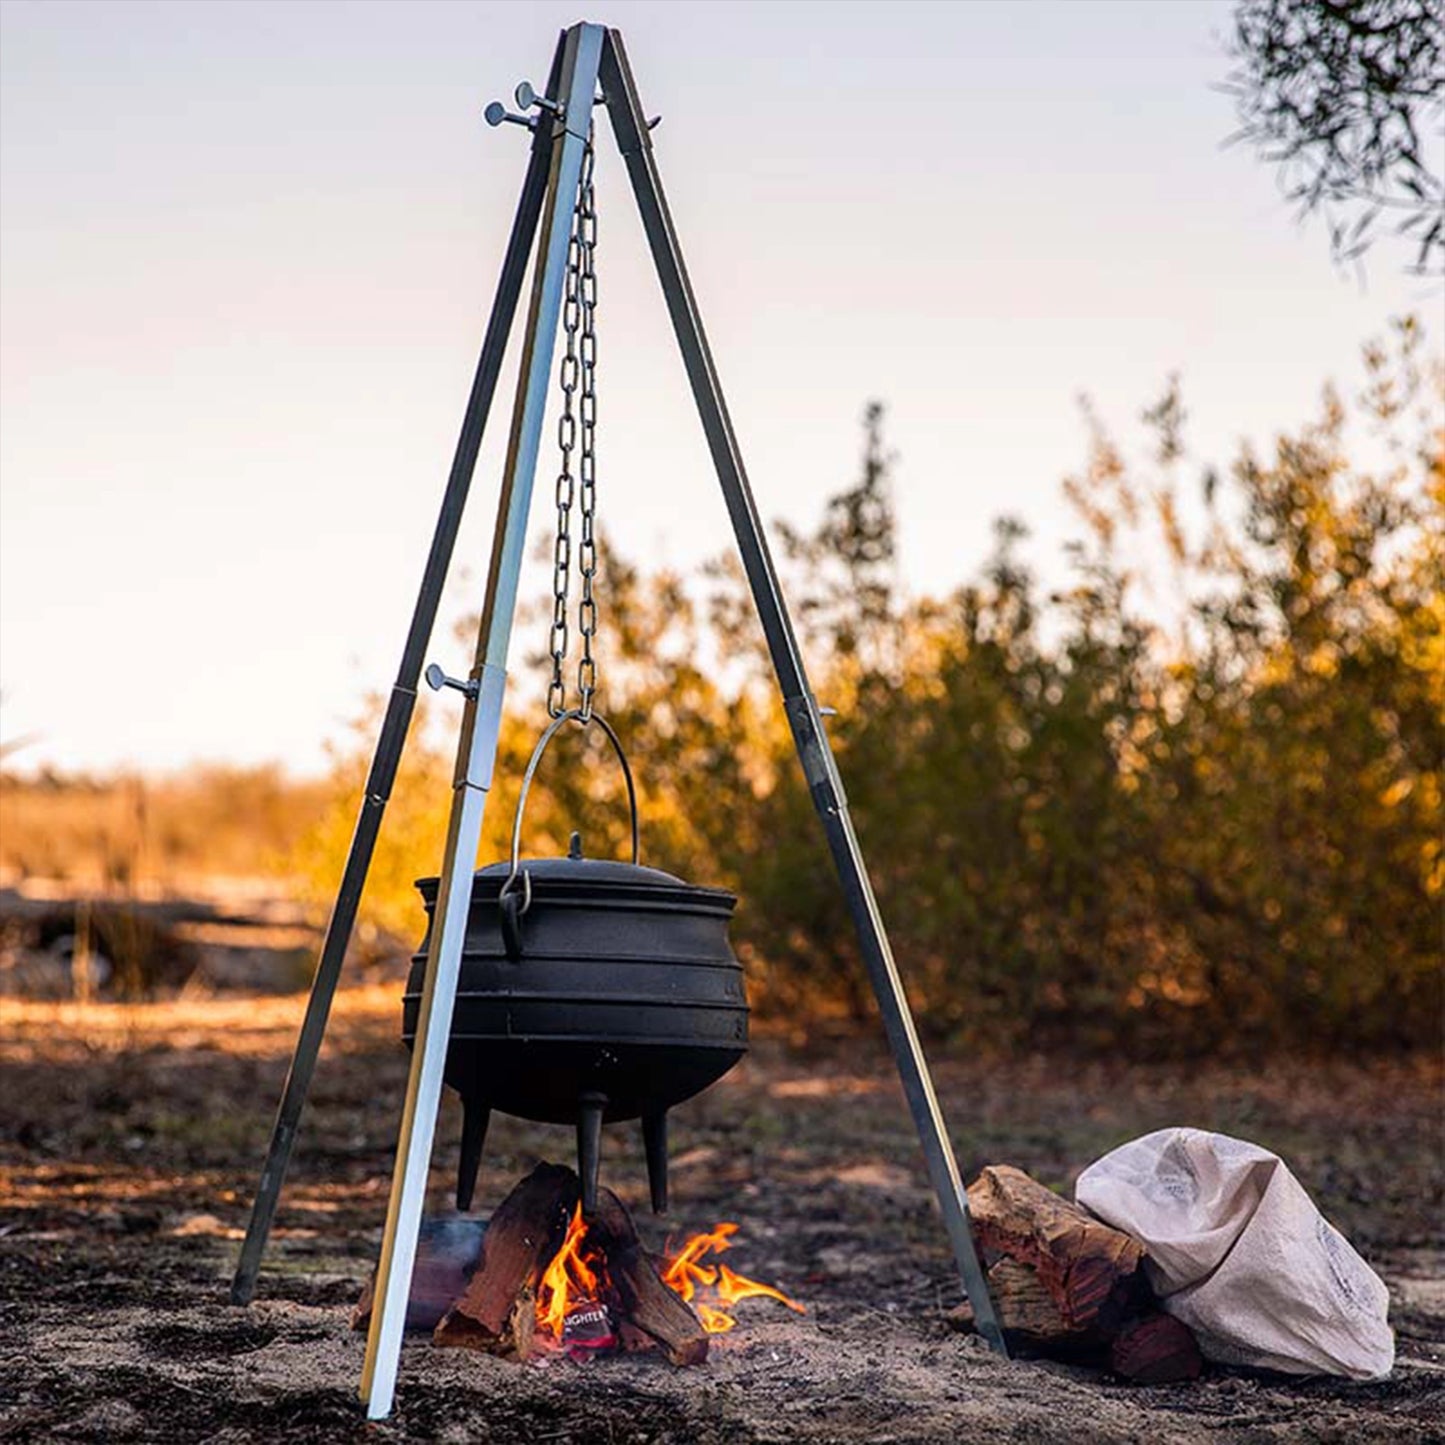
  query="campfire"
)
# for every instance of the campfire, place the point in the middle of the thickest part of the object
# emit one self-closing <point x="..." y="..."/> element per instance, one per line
<point x="577" y="1299"/>
<point x="545" y="1278"/>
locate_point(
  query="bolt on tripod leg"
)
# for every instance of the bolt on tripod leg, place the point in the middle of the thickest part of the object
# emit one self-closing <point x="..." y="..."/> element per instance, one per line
<point x="628" y="122"/>
<point x="392" y="737"/>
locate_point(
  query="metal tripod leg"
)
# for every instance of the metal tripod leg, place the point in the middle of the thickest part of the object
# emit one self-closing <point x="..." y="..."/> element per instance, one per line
<point x="399" y="709"/>
<point x="626" y="115"/>
<point x="476" y="753"/>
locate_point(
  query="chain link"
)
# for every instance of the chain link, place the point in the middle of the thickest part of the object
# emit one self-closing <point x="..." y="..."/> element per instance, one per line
<point x="576" y="432"/>
<point x="587" y="550"/>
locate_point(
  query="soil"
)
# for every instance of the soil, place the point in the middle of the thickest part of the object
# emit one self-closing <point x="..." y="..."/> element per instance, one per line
<point x="130" y="1137"/>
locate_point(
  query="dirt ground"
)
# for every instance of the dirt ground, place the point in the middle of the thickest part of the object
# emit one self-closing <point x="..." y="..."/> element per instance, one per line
<point x="130" y="1138"/>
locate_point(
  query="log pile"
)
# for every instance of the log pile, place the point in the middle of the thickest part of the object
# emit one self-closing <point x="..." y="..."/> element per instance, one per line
<point x="492" y="1303"/>
<point x="1068" y="1286"/>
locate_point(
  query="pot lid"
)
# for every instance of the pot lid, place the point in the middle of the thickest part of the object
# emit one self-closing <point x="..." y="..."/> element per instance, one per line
<point x="576" y="877"/>
<point x="585" y="870"/>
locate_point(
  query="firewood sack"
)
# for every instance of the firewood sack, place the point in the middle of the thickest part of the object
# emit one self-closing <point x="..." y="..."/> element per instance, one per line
<point x="1239" y="1253"/>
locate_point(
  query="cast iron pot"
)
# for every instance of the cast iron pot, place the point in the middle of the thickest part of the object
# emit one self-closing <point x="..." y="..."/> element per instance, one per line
<point x="590" y="991"/>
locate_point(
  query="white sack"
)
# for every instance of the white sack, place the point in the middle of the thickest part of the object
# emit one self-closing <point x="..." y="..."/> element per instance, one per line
<point x="1238" y="1251"/>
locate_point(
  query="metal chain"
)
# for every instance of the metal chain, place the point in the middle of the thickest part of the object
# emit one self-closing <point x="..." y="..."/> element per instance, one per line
<point x="577" y="372"/>
<point x="587" y="466"/>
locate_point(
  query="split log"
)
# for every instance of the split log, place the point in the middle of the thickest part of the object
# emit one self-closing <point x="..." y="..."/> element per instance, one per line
<point x="1156" y="1349"/>
<point x="447" y="1254"/>
<point x="1091" y="1272"/>
<point x="479" y="1289"/>
<point x="1029" y="1316"/>
<point x="496" y="1311"/>
<point x="644" y="1300"/>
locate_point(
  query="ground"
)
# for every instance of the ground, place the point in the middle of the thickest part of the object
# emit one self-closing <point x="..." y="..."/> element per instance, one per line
<point x="131" y="1136"/>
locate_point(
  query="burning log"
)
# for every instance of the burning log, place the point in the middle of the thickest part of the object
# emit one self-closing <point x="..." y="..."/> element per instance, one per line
<point x="496" y="1311"/>
<point x="541" y="1272"/>
<point x="646" y="1301"/>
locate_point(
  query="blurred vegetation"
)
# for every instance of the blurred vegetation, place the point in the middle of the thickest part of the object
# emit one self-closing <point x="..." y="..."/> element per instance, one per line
<point x="128" y="833"/>
<point x="1188" y="804"/>
<point x="1100" y="818"/>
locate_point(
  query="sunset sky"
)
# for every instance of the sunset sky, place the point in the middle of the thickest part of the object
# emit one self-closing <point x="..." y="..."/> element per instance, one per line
<point x="247" y="252"/>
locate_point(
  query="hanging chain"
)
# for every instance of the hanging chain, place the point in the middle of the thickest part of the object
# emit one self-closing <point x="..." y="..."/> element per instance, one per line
<point x="587" y="465"/>
<point x="577" y="372"/>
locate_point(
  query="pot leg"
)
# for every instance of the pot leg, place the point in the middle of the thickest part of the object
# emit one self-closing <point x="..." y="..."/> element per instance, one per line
<point x="589" y="1147"/>
<point x="475" y="1117"/>
<point x="654" y="1143"/>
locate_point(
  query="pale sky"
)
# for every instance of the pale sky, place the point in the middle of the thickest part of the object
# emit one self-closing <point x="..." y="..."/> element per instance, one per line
<point x="247" y="252"/>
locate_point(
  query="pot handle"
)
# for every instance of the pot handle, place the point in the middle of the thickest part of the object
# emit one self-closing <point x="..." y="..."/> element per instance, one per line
<point x="511" y="905"/>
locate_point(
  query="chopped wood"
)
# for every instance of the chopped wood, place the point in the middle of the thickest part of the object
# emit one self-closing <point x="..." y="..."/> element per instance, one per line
<point x="496" y="1313"/>
<point x="522" y="1322"/>
<point x="646" y="1301"/>
<point x="633" y="1339"/>
<point x="447" y="1254"/>
<point x="1028" y="1314"/>
<point x="1156" y="1349"/>
<point x="1091" y="1272"/>
<point x="524" y="1233"/>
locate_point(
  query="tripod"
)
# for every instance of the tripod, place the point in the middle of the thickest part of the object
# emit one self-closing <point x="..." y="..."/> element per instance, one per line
<point x="587" y="55"/>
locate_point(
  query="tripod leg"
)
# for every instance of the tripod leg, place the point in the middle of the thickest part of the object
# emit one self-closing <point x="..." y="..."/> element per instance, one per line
<point x="625" y="112"/>
<point x="481" y="722"/>
<point x="392" y="737"/>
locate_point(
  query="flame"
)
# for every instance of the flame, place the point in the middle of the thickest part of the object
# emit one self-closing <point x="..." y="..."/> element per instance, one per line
<point x="733" y="1287"/>
<point x="715" y="1322"/>
<point x="685" y="1274"/>
<point x="575" y="1268"/>
<point x="578" y="1271"/>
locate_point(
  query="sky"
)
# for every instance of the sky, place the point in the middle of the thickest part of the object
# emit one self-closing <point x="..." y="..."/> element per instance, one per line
<point x="247" y="252"/>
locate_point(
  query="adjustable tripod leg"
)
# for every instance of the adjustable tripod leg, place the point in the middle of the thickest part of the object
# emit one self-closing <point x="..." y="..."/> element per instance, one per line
<point x="481" y="722"/>
<point x="392" y="737"/>
<point x="625" y="112"/>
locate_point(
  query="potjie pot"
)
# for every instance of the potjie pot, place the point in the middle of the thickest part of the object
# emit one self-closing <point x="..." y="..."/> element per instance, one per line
<point x="590" y="992"/>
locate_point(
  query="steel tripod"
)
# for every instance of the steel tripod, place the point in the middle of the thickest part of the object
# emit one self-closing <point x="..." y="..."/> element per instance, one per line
<point x="587" y="56"/>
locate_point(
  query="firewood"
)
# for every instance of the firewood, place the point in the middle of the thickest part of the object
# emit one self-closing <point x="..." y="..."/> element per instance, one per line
<point x="1091" y="1272"/>
<point x="447" y="1254"/>
<point x="522" y="1322"/>
<point x="645" y="1300"/>
<point x="522" y="1236"/>
<point x="1156" y="1349"/>
<point x="633" y="1339"/>
<point x="1029" y="1316"/>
